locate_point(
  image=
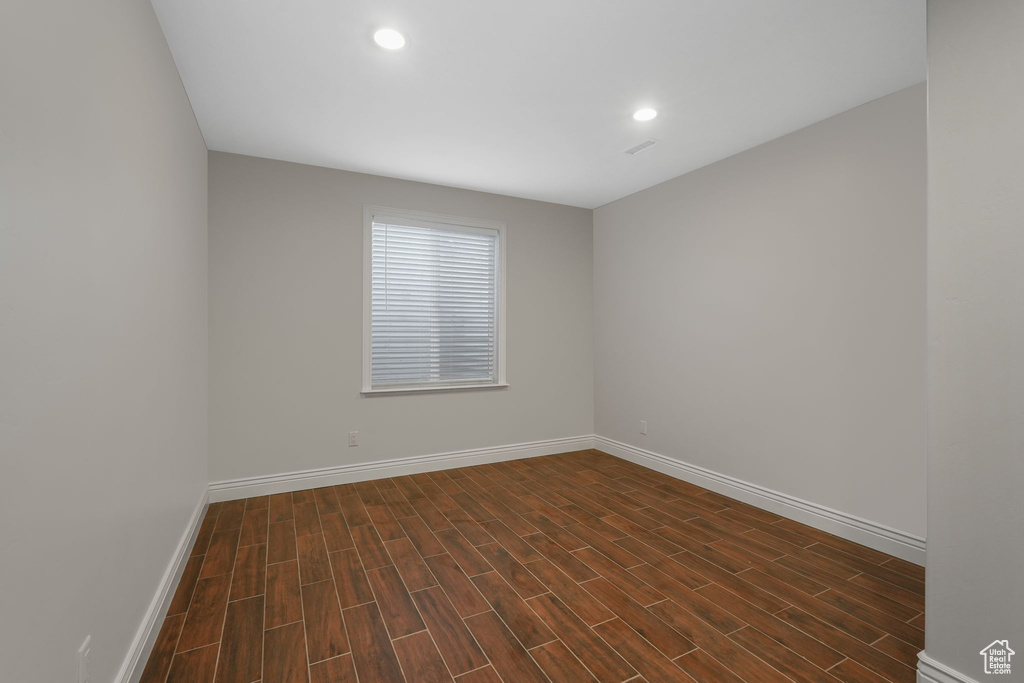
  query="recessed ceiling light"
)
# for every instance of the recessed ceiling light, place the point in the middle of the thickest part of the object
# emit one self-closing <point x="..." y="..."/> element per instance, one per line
<point x="644" y="114"/>
<point x="389" y="39"/>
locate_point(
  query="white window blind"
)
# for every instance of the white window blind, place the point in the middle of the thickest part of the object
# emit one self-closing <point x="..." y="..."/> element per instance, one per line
<point x="434" y="304"/>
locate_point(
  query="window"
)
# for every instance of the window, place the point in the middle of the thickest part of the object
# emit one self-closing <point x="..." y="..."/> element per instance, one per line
<point x="433" y="304"/>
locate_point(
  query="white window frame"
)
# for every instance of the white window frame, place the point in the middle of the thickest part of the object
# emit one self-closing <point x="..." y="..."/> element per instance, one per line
<point x="457" y="222"/>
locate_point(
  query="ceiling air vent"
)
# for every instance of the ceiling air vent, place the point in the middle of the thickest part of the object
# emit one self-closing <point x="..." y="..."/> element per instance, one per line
<point x="646" y="144"/>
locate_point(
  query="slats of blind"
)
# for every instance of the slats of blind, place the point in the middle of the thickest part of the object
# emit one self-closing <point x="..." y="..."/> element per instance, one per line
<point x="433" y="305"/>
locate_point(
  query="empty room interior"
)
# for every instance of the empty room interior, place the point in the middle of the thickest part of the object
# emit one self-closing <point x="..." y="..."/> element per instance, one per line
<point x="662" y="340"/>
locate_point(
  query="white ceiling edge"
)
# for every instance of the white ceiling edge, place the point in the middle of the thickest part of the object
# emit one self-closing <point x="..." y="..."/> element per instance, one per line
<point x="494" y="97"/>
<point x="766" y="142"/>
<point x="427" y="181"/>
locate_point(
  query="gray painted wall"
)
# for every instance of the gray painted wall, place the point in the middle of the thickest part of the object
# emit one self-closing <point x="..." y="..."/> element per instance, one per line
<point x="766" y="314"/>
<point x="975" y="590"/>
<point x="102" y="328"/>
<point x="286" y="249"/>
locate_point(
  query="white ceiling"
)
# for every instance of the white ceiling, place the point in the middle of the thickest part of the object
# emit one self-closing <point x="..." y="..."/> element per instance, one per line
<point x="532" y="98"/>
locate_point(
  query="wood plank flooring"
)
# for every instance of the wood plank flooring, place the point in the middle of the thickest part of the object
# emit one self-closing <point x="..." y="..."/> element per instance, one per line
<point x="571" y="567"/>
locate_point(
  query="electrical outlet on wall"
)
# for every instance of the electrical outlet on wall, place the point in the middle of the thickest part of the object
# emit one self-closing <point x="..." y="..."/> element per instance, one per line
<point x="353" y="438"/>
<point x="643" y="426"/>
<point x="84" y="659"/>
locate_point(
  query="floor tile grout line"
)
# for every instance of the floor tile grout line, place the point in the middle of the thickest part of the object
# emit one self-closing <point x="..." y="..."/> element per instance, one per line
<point x="465" y="618"/>
<point x="177" y="641"/>
<point x="617" y="616"/>
<point x="737" y="616"/>
<point x="845" y="659"/>
<point x="500" y="618"/>
<point x="197" y="647"/>
<point x="224" y="621"/>
<point x="475" y="483"/>
<point x="418" y="612"/>
<point x="473" y="670"/>
<point x="298" y="569"/>
<point x="797" y="628"/>
<point x="362" y="566"/>
<point x="266" y="572"/>
<point x="410" y="635"/>
<point x="894" y="637"/>
<point x="863" y="573"/>
<point x="457" y="613"/>
<point x="812" y="636"/>
<point x="610" y="610"/>
<point x="815" y="595"/>
<point x="344" y="621"/>
<point x="334" y="583"/>
<point x="334" y="577"/>
<point x="190" y="600"/>
<point x="843" y="581"/>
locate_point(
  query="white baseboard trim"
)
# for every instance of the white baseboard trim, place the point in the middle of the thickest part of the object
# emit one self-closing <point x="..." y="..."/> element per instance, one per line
<point x="932" y="671"/>
<point x="344" y="474"/>
<point x="871" y="534"/>
<point x="880" y="537"/>
<point x="149" y="629"/>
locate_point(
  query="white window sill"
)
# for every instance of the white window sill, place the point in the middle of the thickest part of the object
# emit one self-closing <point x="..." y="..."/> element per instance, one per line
<point x="420" y="390"/>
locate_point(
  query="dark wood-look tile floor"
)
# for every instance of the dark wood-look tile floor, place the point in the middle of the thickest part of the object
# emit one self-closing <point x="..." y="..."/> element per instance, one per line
<point x="571" y="567"/>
